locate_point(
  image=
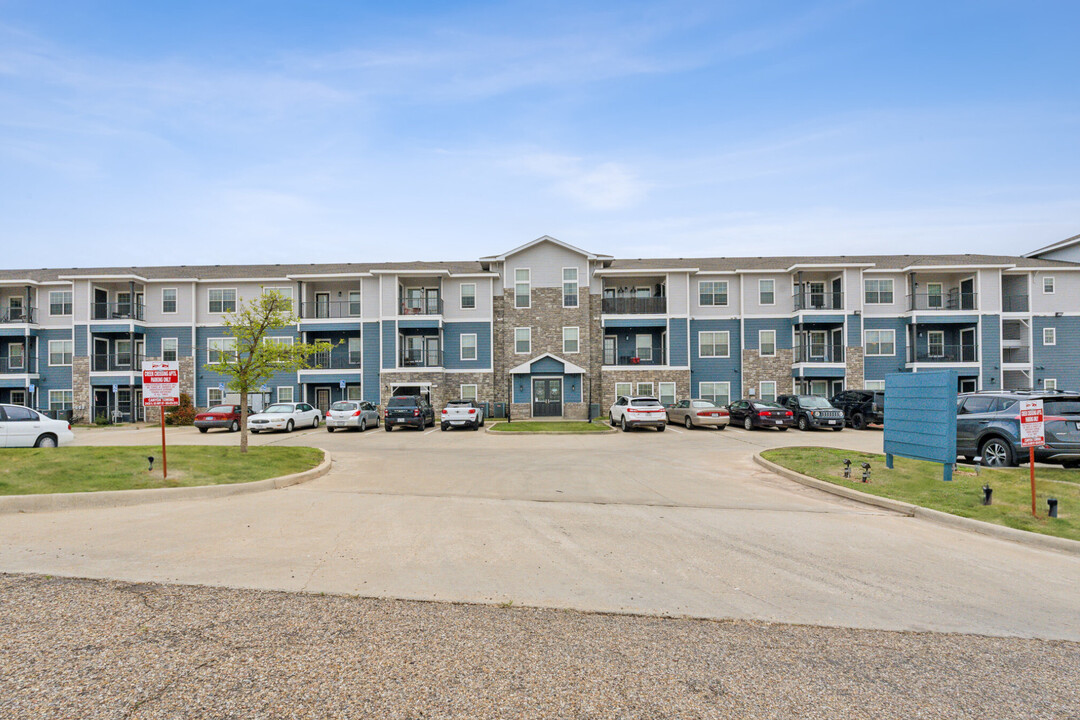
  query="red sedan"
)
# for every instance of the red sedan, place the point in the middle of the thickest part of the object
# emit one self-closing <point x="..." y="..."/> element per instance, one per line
<point x="220" y="416"/>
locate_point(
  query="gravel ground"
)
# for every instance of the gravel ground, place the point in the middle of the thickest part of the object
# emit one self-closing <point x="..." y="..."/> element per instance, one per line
<point x="92" y="649"/>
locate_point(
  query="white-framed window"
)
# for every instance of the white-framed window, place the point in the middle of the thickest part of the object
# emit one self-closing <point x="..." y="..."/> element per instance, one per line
<point x="468" y="296"/>
<point x="522" y="288"/>
<point x="643" y="347"/>
<point x="60" y="399"/>
<point x="878" y="291"/>
<point x="713" y="343"/>
<point x="354" y="392"/>
<point x="667" y="393"/>
<point x="286" y="291"/>
<point x="935" y="295"/>
<point x="570" y="287"/>
<point x="214" y="396"/>
<point x="1050" y="384"/>
<point x="1048" y="285"/>
<point x="623" y="388"/>
<point x="767" y="390"/>
<point x="355" y="350"/>
<point x="1049" y="336"/>
<point x="570" y="342"/>
<point x="767" y="343"/>
<point x="645" y="388"/>
<point x="282" y="340"/>
<point x="285" y="393"/>
<point x="880" y="342"/>
<point x="468" y="346"/>
<point x="60" y="352"/>
<point x="168" y="301"/>
<point x="935" y="343"/>
<point x="712" y="293"/>
<point x="468" y="392"/>
<point x="874" y="384"/>
<point x="16" y="356"/>
<point x="523" y="340"/>
<point x="222" y="301"/>
<point x="60" y="302"/>
<point x="170" y="349"/>
<point x="718" y="392"/>
<point x="356" y="305"/>
<point x="218" y="349"/>
<point x="766" y="292"/>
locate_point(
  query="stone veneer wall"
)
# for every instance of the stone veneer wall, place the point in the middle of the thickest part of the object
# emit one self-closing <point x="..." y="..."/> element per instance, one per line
<point x="606" y="393"/>
<point x="755" y="369"/>
<point x="445" y="385"/>
<point x="854" y="372"/>
<point x="80" y="388"/>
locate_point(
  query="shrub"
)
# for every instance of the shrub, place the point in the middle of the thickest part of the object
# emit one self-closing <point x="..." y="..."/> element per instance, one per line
<point x="183" y="414"/>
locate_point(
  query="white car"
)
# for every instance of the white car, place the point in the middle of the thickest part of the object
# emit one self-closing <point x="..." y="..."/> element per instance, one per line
<point x="22" y="427"/>
<point x="284" y="416"/>
<point x="632" y="411"/>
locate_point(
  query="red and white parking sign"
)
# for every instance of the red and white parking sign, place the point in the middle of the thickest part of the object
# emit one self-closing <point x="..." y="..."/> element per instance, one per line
<point x="1032" y="433"/>
<point x="161" y="383"/>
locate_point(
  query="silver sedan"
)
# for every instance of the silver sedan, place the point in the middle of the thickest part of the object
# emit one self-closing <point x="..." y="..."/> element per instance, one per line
<point x="352" y="415"/>
<point x="698" y="413"/>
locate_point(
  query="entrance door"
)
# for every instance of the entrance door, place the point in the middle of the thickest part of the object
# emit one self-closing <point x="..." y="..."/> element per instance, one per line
<point x="609" y="349"/>
<point x="101" y="404"/>
<point x="967" y="294"/>
<point x="837" y="294"/>
<point x="101" y="354"/>
<point x="322" y="305"/>
<point x="322" y="400"/>
<point x="101" y="304"/>
<point x="547" y="397"/>
<point x="968" y="351"/>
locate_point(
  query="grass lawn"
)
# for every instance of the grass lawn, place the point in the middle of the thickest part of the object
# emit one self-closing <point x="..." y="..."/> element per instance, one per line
<point x="549" y="427"/>
<point x="920" y="483"/>
<point x="87" y="469"/>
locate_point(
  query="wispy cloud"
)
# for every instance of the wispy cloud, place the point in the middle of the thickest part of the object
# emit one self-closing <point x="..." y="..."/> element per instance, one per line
<point x="593" y="185"/>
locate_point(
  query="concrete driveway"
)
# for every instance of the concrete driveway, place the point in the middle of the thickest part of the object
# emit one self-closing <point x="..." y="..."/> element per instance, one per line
<point x="674" y="523"/>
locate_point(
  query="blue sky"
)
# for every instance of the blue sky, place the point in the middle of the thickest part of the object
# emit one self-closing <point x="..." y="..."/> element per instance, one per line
<point x="160" y="133"/>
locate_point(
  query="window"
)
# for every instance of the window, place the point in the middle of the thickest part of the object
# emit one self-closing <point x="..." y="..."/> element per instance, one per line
<point x="60" y="352"/>
<point x="766" y="292"/>
<point x="285" y="393"/>
<point x="768" y="390"/>
<point x="354" y="351"/>
<point x="934" y="295"/>
<point x="222" y="301"/>
<point x="1049" y="336"/>
<point x="169" y="349"/>
<point x="977" y="406"/>
<point x="667" y="393"/>
<point x="213" y="397"/>
<point x="623" y="388"/>
<point x="1048" y="286"/>
<point x="713" y="344"/>
<point x="353" y="392"/>
<point x="718" y="392"/>
<point x="286" y="291"/>
<point x="60" y="399"/>
<point x="60" y="302"/>
<point x="570" y="340"/>
<point x="468" y="392"/>
<point x="355" y="305"/>
<point x="522" y="287"/>
<point x="468" y="296"/>
<point x="276" y="341"/>
<point x="935" y="343"/>
<point x="168" y="300"/>
<point x="570" y="287"/>
<point x="878" y="292"/>
<point x="643" y="347"/>
<point x="468" y="346"/>
<point x="767" y="343"/>
<point x="880" y="342"/>
<point x="1050" y="384"/>
<point x="220" y="349"/>
<point x="874" y="385"/>
<point x="522" y="340"/>
<point x="16" y="356"/>
<point x="712" y="292"/>
<point x="645" y="388"/>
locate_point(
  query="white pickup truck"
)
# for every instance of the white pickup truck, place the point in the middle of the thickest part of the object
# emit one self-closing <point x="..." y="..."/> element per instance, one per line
<point x="462" y="413"/>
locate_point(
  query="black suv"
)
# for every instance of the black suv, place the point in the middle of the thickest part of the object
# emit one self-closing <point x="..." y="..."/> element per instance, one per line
<point x="813" y="411"/>
<point x="408" y="410"/>
<point x="988" y="424"/>
<point x="861" y="407"/>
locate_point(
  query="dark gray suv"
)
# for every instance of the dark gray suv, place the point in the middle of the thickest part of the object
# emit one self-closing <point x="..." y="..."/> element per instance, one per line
<point x="988" y="424"/>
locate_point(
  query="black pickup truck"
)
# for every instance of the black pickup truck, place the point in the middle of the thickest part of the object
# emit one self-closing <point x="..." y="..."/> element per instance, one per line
<point x="408" y="410"/>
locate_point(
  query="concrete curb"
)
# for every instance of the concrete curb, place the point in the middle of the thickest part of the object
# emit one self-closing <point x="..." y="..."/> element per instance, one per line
<point x="1046" y="542"/>
<point x="491" y="429"/>
<point x="120" y="498"/>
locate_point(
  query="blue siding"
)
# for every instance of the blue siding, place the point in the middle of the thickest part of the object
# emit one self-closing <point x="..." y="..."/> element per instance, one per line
<point x="51" y="378"/>
<point x="1057" y="361"/>
<point x="991" y="352"/>
<point x="782" y="326"/>
<point x="389" y="344"/>
<point x="920" y="416"/>
<point x="572" y="389"/>
<point x="205" y="379"/>
<point x="878" y="367"/>
<point x="635" y="322"/>
<point x="679" y="342"/>
<point x="371" y="362"/>
<point x="626" y="343"/>
<point x="183" y="340"/>
<point x="339" y="354"/>
<point x="716" y="369"/>
<point x="452" y="333"/>
<point x="522" y="388"/>
<point x="547" y="366"/>
<point x="81" y="341"/>
<point x="854" y="330"/>
<point x="322" y="327"/>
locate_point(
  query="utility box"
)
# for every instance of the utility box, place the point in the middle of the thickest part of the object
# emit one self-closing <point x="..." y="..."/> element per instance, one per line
<point x="920" y="417"/>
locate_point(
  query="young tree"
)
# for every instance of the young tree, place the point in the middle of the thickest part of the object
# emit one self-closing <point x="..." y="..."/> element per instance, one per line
<point x="254" y="360"/>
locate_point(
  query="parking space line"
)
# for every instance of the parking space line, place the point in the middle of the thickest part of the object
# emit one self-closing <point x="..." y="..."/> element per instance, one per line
<point x="680" y="432"/>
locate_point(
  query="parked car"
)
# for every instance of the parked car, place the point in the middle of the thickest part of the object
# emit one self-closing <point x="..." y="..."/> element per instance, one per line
<point x="462" y="413"/>
<point x="988" y="425"/>
<point x="22" y="427"/>
<point x="861" y="407"/>
<point x="632" y="412"/>
<point x="220" y="416"/>
<point x="761" y="414"/>
<point x="351" y="415"/>
<point x="284" y="416"/>
<point x="813" y="412"/>
<point x="696" y="412"/>
<point x="408" y="410"/>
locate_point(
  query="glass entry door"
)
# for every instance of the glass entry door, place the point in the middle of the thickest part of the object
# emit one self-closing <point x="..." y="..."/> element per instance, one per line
<point x="547" y="397"/>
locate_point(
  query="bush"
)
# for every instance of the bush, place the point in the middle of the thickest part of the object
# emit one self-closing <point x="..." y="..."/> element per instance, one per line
<point x="101" y="420"/>
<point x="183" y="414"/>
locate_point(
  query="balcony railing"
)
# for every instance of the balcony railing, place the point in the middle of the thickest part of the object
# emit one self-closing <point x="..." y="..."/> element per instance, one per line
<point x="118" y="412"/>
<point x="809" y="300"/>
<point x="952" y="300"/>
<point x="18" y="365"/>
<point x="815" y="353"/>
<point x="18" y="315"/>
<point x="634" y="305"/>
<point x="420" y="357"/>
<point x="944" y="354"/>
<point x="117" y="311"/>
<point x="329" y="309"/>
<point x="1014" y="303"/>
<point x="651" y="355"/>
<point x="330" y="361"/>
<point x="1016" y="355"/>
<point x="421" y="306"/>
<point x="116" y="362"/>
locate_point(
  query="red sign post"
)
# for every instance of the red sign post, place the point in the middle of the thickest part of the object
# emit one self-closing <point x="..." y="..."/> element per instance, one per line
<point x="161" y="389"/>
<point x="1032" y="435"/>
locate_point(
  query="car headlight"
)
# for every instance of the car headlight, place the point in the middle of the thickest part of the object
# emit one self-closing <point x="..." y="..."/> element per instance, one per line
<point x="816" y="414"/>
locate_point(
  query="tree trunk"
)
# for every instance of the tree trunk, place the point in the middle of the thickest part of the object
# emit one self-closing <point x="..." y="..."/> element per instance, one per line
<point x="243" y="420"/>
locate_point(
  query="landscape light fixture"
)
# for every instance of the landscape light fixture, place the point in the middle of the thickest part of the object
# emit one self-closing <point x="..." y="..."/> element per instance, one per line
<point x="1051" y="504"/>
<point x="150" y="459"/>
<point x="988" y="494"/>
<point x="866" y="472"/>
<point x="978" y="465"/>
<point x="847" y="468"/>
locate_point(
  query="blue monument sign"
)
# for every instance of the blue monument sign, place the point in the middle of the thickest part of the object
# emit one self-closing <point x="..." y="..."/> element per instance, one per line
<point x="920" y="417"/>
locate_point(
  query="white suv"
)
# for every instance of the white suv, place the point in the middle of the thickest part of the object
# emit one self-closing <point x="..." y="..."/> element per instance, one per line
<point x="22" y="427"/>
<point x="631" y="412"/>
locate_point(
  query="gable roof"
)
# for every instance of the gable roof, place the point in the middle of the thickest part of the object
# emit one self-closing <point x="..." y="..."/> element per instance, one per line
<point x="1059" y="245"/>
<point x="544" y="239"/>
<point x="569" y="368"/>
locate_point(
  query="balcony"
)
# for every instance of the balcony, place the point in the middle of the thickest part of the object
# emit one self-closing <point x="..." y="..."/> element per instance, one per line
<point x="1014" y="303"/>
<point x="116" y="362"/>
<point x="1015" y="355"/>
<point x="10" y="315"/>
<point x="330" y="361"/>
<point x="117" y="311"/>
<point x="329" y="310"/>
<point x="944" y="354"/>
<point x="655" y="354"/>
<point x="817" y="353"/>
<point x="634" y="305"/>
<point x="812" y="300"/>
<point x="18" y="365"/>
<point x="953" y="300"/>
<point x="420" y="357"/>
<point x="420" y="306"/>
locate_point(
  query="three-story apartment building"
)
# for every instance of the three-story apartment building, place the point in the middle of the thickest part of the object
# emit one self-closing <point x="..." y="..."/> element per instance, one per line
<point x="548" y="329"/>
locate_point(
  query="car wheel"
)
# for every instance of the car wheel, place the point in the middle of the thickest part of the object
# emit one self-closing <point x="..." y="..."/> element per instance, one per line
<point x="476" y="426"/>
<point x="720" y="427"/>
<point x="329" y="429"/>
<point x="858" y="421"/>
<point x="1071" y="464"/>
<point x="783" y="429"/>
<point x="996" y="453"/>
<point x="289" y="426"/>
<point x="235" y="427"/>
<point x="388" y="428"/>
<point x="748" y="424"/>
<point x="202" y="430"/>
<point x="315" y="422"/>
<point x="46" y="441"/>
<point x="837" y="429"/>
<point x="625" y="427"/>
<point x="443" y="427"/>
<point x="688" y="423"/>
<point x="254" y="432"/>
<point x="363" y="424"/>
<point x="803" y="425"/>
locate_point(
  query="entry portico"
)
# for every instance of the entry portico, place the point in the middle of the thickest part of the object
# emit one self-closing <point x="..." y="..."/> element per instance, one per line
<point x="548" y="386"/>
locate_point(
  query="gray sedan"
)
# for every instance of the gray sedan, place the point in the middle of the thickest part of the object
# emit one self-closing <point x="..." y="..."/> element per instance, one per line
<point x="352" y="415"/>
<point x="698" y="413"/>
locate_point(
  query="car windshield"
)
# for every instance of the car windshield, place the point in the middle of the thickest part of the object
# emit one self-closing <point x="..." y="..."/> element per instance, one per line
<point x="646" y="402"/>
<point x="813" y="401"/>
<point x="1069" y="406"/>
<point x="220" y="409"/>
<point x="343" y="406"/>
<point x="279" y="409"/>
<point x="459" y="403"/>
<point x="402" y="402"/>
